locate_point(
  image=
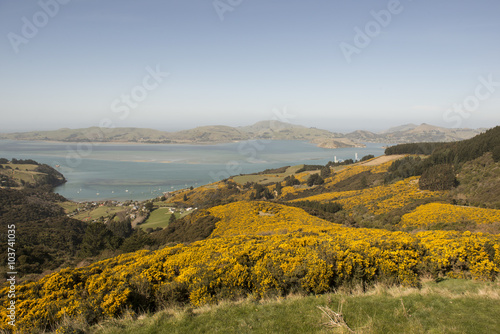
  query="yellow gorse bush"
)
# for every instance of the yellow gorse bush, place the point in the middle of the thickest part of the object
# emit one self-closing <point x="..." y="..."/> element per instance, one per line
<point x="255" y="217"/>
<point x="381" y="199"/>
<point x="250" y="253"/>
<point x="349" y="171"/>
<point x="438" y="213"/>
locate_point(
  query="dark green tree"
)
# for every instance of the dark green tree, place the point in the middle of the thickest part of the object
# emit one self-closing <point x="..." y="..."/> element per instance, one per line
<point x="121" y="229"/>
<point x="278" y="188"/>
<point x="315" y="179"/>
<point x="438" y="177"/>
<point x="97" y="237"/>
<point x="325" y="172"/>
<point x="291" y="181"/>
<point x="496" y="154"/>
<point x="367" y="157"/>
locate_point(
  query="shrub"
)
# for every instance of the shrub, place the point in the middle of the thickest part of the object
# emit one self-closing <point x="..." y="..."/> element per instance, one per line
<point x="403" y="168"/>
<point x="325" y="172"/>
<point x="439" y="177"/>
<point x="496" y="154"/>
<point x="307" y="168"/>
<point x="314" y="180"/>
<point x="291" y="181"/>
<point x="367" y="157"/>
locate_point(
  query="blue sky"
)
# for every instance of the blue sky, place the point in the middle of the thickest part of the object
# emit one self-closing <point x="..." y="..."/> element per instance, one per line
<point x="428" y="61"/>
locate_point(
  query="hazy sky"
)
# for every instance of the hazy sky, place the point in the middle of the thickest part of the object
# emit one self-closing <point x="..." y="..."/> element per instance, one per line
<point x="334" y="64"/>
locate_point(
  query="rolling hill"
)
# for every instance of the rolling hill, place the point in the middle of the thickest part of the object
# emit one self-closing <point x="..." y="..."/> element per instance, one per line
<point x="269" y="130"/>
<point x="411" y="133"/>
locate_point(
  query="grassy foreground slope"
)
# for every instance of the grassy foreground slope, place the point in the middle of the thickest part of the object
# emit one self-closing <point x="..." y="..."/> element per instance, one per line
<point x="450" y="306"/>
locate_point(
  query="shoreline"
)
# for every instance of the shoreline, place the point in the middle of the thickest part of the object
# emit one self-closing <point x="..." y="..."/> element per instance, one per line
<point x="313" y="142"/>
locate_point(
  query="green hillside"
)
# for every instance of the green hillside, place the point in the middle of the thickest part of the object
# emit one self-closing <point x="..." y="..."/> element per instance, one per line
<point x="262" y="252"/>
<point x="273" y="130"/>
<point x="28" y="173"/>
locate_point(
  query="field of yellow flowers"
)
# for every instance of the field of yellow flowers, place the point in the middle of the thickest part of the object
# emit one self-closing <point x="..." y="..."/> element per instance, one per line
<point x="438" y="213"/>
<point x="381" y="199"/>
<point x="259" y="249"/>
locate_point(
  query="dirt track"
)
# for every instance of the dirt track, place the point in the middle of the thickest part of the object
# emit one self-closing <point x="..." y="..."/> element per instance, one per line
<point x="382" y="159"/>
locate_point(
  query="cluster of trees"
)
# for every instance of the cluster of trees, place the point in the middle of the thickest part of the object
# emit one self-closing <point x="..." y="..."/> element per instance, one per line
<point x="340" y="163"/>
<point x="116" y="236"/>
<point x="53" y="178"/>
<point x="327" y="211"/>
<point x="291" y="181"/>
<point x="315" y="180"/>
<point x="190" y="228"/>
<point x="261" y="192"/>
<point x="49" y="175"/>
<point x="455" y="152"/>
<point x="45" y="237"/>
<point x="414" y="148"/>
<point x="438" y="177"/>
<point x="23" y="162"/>
<point x="48" y="239"/>
<point x="403" y="168"/>
<point x="439" y="169"/>
<point x="432" y="176"/>
<point x="18" y="161"/>
<point x="468" y="150"/>
<point x="272" y="171"/>
<point x="331" y="207"/>
<point x="367" y="157"/>
<point x="308" y="168"/>
<point x="348" y="161"/>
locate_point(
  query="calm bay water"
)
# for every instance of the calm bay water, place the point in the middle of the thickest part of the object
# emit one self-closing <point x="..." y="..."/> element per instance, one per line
<point x="142" y="171"/>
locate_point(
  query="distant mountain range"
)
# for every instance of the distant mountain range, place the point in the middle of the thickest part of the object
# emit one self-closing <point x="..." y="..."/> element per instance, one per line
<point x="273" y="130"/>
<point x="411" y="133"/>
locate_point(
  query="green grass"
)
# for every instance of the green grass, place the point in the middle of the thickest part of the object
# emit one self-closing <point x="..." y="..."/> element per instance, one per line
<point x="24" y="172"/>
<point x="267" y="178"/>
<point x="450" y="306"/>
<point x="102" y="211"/>
<point x="158" y="218"/>
<point x="69" y="206"/>
<point x="24" y="167"/>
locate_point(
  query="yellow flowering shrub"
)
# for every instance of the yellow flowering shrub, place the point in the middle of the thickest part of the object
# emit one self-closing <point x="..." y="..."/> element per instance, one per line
<point x="461" y="255"/>
<point x="438" y="213"/>
<point x="257" y="248"/>
<point x="381" y="199"/>
<point x="350" y="171"/>
<point x="261" y="217"/>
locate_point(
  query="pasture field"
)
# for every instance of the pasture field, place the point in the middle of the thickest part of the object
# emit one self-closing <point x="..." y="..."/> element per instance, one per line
<point x="158" y="218"/>
<point x="266" y="178"/>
